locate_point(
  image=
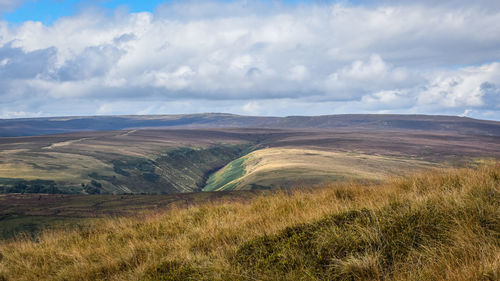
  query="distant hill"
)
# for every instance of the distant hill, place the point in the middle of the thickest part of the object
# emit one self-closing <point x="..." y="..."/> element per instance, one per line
<point x="57" y="125"/>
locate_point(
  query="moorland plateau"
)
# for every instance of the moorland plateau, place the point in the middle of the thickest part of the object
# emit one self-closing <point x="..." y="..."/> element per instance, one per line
<point x="229" y="197"/>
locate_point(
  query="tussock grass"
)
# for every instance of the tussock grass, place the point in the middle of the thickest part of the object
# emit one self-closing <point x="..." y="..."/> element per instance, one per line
<point x="439" y="225"/>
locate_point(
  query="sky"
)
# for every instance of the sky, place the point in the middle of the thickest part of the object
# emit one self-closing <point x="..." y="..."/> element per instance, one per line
<point x="279" y="58"/>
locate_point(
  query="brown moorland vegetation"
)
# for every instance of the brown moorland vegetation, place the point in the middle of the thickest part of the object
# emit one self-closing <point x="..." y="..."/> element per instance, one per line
<point x="29" y="214"/>
<point x="364" y="122"/>
<point x="436" y="225"/>
<point x="181" y="160"/>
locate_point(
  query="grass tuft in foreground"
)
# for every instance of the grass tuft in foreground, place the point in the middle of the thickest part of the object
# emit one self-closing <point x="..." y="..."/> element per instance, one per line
<point x="429" y="226"/>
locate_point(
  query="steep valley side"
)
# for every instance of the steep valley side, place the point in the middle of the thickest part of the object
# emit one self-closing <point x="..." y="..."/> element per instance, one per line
<point x="177" y="170"/>
<point x="284" y="167"/>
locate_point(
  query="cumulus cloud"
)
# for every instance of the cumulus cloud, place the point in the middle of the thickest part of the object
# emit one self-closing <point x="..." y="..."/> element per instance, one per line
<point x="466" y="87"/>
<point x="487" y="4"/>
<point x="364" y="77"/>
<point x="257" y="58"/>
<point x="91" y="62"/>
<point x="18" y="64"/>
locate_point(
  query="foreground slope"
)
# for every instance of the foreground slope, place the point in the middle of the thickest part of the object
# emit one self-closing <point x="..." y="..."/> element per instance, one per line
<point x="29" y="214"/>
<point x="433" y="226"/>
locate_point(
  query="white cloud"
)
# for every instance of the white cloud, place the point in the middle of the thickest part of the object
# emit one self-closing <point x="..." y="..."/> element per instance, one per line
<point x="465" y="113"/>
<point x="371" y="76"/>
<point x="240" y="56"/>
<point x="466" y="87"/>
<point x="252" y="108"/>
<point x="18" y="114"/>
<point x="389" y="100"/>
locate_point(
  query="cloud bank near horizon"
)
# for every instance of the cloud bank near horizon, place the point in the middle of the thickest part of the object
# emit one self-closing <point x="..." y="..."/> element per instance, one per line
<point x="256" y="58"/>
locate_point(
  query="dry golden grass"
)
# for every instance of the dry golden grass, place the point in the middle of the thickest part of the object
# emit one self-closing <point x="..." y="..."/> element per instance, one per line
<point x="202" y="242"/>
<point x="67" y="167"/>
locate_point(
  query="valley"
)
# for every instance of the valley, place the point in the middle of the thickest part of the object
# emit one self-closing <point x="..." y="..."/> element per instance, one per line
<point x="166" y="161"/>
<point x="222" y="198"/>
<point x="118" y="161"/>
<point x="235" y="140"/>
<point x="144" y="169"/>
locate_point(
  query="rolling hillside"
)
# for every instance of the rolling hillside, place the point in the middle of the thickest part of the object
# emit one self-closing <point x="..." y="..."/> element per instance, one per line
<point x="182" y="160"/>
<point x="291" y="167"/>
<point x="116" y="161"/>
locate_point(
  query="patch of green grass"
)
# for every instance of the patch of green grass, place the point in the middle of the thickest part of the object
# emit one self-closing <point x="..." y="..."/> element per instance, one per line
<point x="35" y="186"/>
<point x="188" y="169"/>
<point x="10" y="181"/>
<point x="120" y="166"/>
<point x="225" y="179"/>
<point x="150" y="177"/>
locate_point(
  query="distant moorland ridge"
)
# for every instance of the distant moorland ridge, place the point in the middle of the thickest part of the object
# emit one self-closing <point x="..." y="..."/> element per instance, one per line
<point x="57" y="125"/>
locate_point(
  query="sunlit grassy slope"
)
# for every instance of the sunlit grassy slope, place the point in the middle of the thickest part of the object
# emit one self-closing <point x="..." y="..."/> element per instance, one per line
<point x="285" y="167"/>
<point x="440" y="225"/>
